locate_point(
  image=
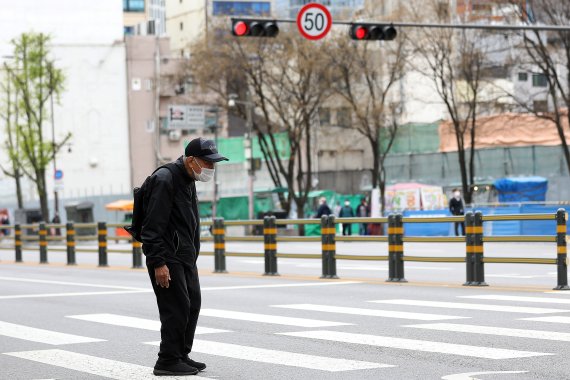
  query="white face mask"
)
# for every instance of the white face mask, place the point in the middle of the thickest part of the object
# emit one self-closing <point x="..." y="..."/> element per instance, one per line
<point x="457" y="195"/>
<point x="205" y="175"/>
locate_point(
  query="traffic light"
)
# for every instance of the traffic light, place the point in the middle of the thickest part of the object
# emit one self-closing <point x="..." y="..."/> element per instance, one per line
<point x="372" y="32"/>
<point x="254" y="28"/>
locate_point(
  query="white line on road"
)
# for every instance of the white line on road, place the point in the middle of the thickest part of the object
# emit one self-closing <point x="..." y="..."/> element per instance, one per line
<point x="416" y="345"/>
<point x="471" y="306"/>
<point x="263" y="355"/>
<point x="370" y="312"/>
<point x="42" y="336"/>
<point x="70" y="283"/>
<point x="273" y="319"/>
<point x="47" y="295"/>
<point x="519" y="299"/>
<point x="468" y="375"/>
<point x="134" y="322"/>
<point x="558" y="319"/>
<point x="500" y="331"/>
<point x="93" y="365"/>
<point x="372" y="267"/>
<point x="282" y="285"/>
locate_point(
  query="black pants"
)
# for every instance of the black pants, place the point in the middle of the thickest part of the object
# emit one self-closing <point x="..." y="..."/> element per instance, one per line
<point x="457" y="228"/>
<point x="179" y="307"/>
<point x="346" y="229"/>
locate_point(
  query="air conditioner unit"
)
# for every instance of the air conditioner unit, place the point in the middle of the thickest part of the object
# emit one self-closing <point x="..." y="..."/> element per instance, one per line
<point x="174" y="135"/>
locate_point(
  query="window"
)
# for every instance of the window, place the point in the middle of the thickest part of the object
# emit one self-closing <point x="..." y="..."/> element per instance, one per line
<point x="539" y="80"/>
<point x="181" y="26"/>
<point x="344" y="117"/>
<point x="242" y="8"/>
<point x="133" y="5"/>
<point x="129" y="30"/>
<point x="540" y="106"/>
<point x="325" y="116"/>
<point x="523" y="77"/>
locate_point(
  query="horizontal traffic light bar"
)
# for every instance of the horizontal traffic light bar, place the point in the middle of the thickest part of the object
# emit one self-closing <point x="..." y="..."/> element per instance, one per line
<point x="254" y="27"/>
<point x="426" y="25"/>
<point x="359" y="31"/>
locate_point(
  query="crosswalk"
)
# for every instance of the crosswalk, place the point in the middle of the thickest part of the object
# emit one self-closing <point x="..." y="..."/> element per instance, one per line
<point x="294" y="331"/>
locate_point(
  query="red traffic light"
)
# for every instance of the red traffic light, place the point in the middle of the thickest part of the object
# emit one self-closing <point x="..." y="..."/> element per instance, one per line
<point x="254" y="28"/>
<point x="240" y="28"/>
<point x="372" y="32"/>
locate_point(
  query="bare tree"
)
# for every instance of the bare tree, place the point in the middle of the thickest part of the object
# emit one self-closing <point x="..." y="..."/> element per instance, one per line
<point x="365" y="75"/>
<point x="455" y="62"/>
<point x="548" y="52"/>
<point x="287" y="80"/>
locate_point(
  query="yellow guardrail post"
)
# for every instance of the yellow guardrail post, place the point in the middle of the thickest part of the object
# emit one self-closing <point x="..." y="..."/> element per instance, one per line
<point x="270" y="246"/>
<point x="102" y="240"/>
<point x="325" y="246"/>
<point x="478" y="265"/>
<point x="391" y="254"/>
<point x="219" y="246"/>
<point x="18" y="242"/>
<point x="137" y="254"/>
<point x="469" y="244"/>
<point x="42" y="232"/>
<point x="70" y="242"/>
<point x="561" y="247"/>
<point x="399" y="248"/>
<point x="332" y="247"/>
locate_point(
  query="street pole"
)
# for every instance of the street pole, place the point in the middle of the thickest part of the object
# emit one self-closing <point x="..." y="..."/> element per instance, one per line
<point x="249" y="153"/>
<point x="55" y="192"/>
<point x="215" y="202"/>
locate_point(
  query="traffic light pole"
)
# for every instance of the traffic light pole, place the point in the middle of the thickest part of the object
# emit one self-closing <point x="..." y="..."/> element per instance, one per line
<point x="249" y="152"/>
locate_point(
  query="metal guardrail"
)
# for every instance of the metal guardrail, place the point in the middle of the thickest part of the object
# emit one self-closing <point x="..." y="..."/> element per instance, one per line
<point x="474" y="243"/>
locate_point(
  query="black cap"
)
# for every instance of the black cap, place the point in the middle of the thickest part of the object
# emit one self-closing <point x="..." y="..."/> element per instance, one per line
<point x="205" y="149"/>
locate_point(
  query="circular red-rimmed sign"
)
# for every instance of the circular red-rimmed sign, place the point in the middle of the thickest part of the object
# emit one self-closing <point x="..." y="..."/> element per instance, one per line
<point x="314" y="21"/>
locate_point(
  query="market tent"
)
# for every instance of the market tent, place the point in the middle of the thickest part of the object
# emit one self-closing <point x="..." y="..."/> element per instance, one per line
<point x="120" y="205"/>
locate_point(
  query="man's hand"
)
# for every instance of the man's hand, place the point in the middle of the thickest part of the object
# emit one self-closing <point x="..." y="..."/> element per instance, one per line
<point x="162" y="276"/>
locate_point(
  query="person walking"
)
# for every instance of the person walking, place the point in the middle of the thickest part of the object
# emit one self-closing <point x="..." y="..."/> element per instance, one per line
<point x="323" y="209"/>
<point x="362" y="211"/>
<point x="171" y="243"/>
<point x="346" y="212"/>
<point x="456" y="208"/>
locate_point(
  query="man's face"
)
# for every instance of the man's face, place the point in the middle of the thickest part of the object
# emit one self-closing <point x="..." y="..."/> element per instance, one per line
<point x="195" y="165"/>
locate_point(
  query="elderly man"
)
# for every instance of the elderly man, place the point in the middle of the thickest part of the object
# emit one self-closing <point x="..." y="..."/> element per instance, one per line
<point x="171" y="243"/>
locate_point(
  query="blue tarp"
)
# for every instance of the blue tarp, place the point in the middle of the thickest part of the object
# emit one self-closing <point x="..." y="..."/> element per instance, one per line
<point x="427" y="229"/>
<point x="527" y="189"/>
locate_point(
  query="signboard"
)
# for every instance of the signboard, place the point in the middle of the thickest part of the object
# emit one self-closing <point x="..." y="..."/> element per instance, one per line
<point x="314" y="21"/>
<point x="58" y="174"/>
<point x="58" y="180"/>
<point x="186" y="117"/>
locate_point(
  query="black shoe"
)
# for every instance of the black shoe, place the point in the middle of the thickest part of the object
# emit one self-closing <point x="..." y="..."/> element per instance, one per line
<point x="198" y="365"/>
<point x="176" y="369"/>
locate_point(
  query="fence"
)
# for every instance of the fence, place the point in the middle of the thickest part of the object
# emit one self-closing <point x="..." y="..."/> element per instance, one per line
<point x="474" y="240"/>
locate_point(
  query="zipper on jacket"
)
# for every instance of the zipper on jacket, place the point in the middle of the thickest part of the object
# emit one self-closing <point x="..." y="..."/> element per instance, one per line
<point x="177" y="242"/>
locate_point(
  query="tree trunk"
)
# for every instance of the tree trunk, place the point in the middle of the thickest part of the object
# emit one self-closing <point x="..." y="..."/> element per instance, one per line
<point x="300" y="202"/>
<point x="42" y="192"/>
<point x="18" y="188"/>
<point x="375" y="162"/>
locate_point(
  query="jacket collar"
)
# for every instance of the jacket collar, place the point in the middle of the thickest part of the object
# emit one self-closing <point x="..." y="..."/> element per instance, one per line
<point x="180" y="165"/>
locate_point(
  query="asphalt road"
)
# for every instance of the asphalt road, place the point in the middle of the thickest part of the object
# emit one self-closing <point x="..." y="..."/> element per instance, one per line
<point x="496" y="274"/>
<point x="59" y="322"/>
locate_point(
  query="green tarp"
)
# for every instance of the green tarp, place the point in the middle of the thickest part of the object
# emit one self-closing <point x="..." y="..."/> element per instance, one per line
<point x="413" y="138"/>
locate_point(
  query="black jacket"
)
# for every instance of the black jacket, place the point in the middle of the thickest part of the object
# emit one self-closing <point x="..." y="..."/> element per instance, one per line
<point x="323" y="210"/>
<point x="171" y="227"/>
<point x="456" y="206"/>
<point x="346" y="212"/>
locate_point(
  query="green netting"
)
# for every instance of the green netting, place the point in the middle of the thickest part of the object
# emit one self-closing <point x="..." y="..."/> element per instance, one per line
<point x="413" y="138"/>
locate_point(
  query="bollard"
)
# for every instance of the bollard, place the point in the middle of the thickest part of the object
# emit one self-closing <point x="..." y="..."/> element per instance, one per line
<point x="469" y="243"/>
<point x="70" y="239"/>
<point x="102" y="239"/>
<point x="391" y="242"/>
<point x="325" y="246"/>
<point x="399" y="247"/>
<point x="332" y="247"/>
<point x="137" y="254"/>
<point x="477" y="254"/>
<point x="18" y="242"/>
<point x="219" y="246"/>
<point x="270" y="246"/>
<point x="43" y="243"/>
<point x="561" y="247"/>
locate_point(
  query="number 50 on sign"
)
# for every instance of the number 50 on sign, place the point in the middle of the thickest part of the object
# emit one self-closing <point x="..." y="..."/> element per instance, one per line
<point x="314" y="21"/>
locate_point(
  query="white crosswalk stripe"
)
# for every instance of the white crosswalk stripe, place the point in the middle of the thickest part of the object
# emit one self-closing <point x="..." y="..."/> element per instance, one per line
<point x="551" y="319"/>
<point x="496" y="297"/>
<point x="499" y="331"/>
<point x="416" y="345"/>
<point x="271" y="319"/>
<point x="370" y="312"/>
<point x="292" y="359"/>
<point x="471" y="306"/>
<point x="42" y="336"/>
<point x="134" y="322"/>
<point x="93" y="365"/>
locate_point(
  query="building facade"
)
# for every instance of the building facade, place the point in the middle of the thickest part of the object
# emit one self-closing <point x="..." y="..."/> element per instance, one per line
<point x="138" y="13"/>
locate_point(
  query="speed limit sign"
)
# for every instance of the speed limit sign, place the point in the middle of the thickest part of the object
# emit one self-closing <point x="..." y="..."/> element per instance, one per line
<point x="314" y="21"/>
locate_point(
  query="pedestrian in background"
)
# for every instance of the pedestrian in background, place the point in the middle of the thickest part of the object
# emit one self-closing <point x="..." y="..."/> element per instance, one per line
<point x="56" y="220"/>
<point x="323" y="209"/>
<point x="362" y="211"/>
<point x="346" y="212"/>
<point x="171" y="243"/>
<point x="5" y="222"/>
<point x="456" y="208"/>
